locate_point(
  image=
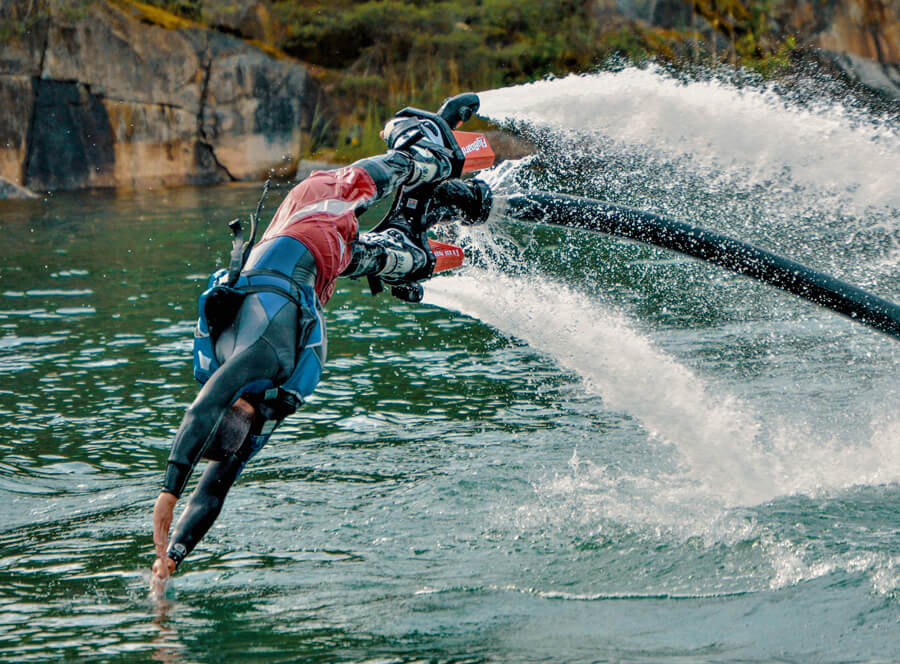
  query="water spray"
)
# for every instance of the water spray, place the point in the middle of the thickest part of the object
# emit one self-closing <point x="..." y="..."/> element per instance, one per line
<point x="471" y="152"/>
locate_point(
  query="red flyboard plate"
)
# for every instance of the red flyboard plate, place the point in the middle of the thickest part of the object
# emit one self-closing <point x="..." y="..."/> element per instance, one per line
<point x="477" y="150"/>
<point x="448" y="256"/>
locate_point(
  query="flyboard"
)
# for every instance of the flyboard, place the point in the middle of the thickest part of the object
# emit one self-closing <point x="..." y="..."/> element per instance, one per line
<point x="472" y="153"/>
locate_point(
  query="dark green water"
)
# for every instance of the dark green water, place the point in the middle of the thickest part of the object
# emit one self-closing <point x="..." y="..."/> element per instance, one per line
<point x="616" y="456"/>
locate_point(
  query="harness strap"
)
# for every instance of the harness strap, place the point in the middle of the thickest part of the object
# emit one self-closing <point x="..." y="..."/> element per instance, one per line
<point x="237" y="251"/>
<point x="240" y="249"/>
<point x="272" y="289"/>
<point x="265" y="272"/>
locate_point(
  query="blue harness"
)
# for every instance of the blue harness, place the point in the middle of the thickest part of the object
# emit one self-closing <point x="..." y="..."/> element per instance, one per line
<point x="220" y="302"/>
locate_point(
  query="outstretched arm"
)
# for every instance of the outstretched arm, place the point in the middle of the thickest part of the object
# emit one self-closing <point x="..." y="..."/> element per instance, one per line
<point x="203" y="506"/>
<point x="230" y="434"/>
<point x="162" y="521"/>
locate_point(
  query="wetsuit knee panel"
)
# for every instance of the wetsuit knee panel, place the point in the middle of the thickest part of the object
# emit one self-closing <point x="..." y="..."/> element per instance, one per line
<point x="232" y="431"/>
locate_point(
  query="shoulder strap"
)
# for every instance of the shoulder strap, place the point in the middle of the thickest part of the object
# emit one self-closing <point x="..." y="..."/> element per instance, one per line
<point x="240" y="249"/>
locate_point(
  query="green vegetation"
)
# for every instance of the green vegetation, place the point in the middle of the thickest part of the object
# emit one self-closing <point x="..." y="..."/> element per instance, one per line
<point x="749" y="31"/>
<point x="374" y="56"/>
<point x="18" y="19"/>
<point x="377" y="55"/>
<point x="391" y="52"/>
<point x="190" y="9"/>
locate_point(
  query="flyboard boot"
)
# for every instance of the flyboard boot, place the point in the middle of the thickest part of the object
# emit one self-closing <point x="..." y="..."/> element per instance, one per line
<point x="397" y="251"/>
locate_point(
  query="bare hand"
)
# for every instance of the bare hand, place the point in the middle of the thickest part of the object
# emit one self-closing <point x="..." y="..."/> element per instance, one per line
<point x="162" y="522"/>
<point x="163" y="567"/>
<point x="162" y="570"/>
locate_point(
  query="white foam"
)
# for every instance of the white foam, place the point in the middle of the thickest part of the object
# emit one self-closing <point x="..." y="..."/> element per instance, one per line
<point x="791" y="565"/>
<point x="799" y="171"/>
<point x="726" y="463"/>
<point x="619" y="365"/>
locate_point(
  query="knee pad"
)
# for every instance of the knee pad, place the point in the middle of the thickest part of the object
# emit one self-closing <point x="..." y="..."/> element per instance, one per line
<point x="388" y="254"/>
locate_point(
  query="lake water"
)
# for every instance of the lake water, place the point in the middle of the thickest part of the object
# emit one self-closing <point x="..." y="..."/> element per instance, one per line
<point x="577" y="449"/>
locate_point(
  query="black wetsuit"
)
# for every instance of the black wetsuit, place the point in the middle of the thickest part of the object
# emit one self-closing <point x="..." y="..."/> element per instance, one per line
<point x="272" y="353"/>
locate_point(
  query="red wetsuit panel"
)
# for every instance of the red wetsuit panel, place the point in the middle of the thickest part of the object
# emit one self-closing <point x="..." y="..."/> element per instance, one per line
<point x="321" y="213"/>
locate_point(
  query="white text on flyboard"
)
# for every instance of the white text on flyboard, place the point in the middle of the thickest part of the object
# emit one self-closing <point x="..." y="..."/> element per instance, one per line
<point x="477" y="144"/>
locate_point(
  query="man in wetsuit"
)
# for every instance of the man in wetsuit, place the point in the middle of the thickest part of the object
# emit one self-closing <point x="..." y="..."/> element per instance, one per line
<point x="259" y="367"/>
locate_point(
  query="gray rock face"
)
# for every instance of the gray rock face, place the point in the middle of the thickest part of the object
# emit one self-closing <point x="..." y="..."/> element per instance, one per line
<point x="247" y="18"/>
<point x="71" y="139"/>
<point x="256" y="108"/>
<point x="107" y="100"/>
<point x="883" y="78"/>
<point x="10" y="190"/>
<point x="123" y="59"/>
<point x="21" y="55"/>
<point x="16" y="104"/>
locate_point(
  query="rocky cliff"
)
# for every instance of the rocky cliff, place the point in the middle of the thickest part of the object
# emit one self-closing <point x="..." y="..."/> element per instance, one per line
<point x="104" y="93"/>
<point x="101" y="98"/>
<point x="864" y="28"/>
<point x="860" y="37"/>
<point x="857" y="38"/>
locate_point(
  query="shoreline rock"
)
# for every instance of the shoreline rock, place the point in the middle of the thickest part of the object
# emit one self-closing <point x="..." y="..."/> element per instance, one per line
<point x="881" y="78"/>
<point x="10" y="190"/>
<point x="107" y="100"/>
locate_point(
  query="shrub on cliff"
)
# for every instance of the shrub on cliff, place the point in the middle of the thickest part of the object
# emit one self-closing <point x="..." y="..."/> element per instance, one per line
<point x="381" y="54"/>
<point x="19" y="18"/>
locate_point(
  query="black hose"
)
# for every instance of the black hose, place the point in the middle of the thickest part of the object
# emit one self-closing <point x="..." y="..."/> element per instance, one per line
<point x="593" y="215"/>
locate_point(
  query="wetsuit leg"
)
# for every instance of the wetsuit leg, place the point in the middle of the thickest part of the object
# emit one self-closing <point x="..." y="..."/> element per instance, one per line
<point x="252" y="349"/>
<point x="388" y="172"/>
<point x="468" y="202"/>
<point x="388" y="254"/>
